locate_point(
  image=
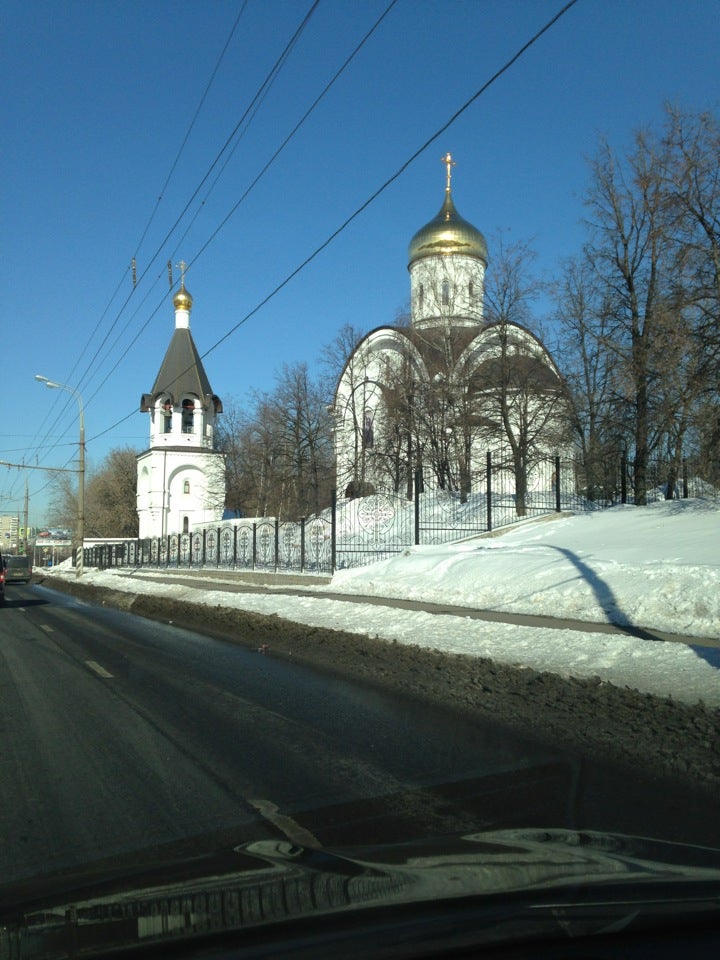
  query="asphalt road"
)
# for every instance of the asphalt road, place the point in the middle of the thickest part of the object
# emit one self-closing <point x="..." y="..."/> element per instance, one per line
<point x="127" y="740"/>
<point x="121" y="735"/>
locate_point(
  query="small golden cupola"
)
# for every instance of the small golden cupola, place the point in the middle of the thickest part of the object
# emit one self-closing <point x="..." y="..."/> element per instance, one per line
<point x="447" y="260"/>
<point x="183" y="298"/>
<point x="182" y="301"/>
<point x="447" y="233"/>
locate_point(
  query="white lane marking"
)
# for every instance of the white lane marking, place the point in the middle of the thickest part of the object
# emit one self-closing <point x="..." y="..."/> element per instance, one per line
<point x="292" y="830"/>
<point x="100" y="671"/>
<point x="46" y="628"/>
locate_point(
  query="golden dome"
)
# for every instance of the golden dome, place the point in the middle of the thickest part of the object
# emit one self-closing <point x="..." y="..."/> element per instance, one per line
<point x="183" y="299"/>
<point x="447" y="234"/>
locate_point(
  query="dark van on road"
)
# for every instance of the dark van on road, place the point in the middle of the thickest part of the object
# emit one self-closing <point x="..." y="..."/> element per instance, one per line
<point x="17" y="570"/>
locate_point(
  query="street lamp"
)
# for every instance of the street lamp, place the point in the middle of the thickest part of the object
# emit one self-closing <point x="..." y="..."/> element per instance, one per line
<point x="81" y="469"/>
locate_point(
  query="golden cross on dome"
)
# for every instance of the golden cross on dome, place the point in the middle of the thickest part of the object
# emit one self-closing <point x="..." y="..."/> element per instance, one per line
<point x="182" y="267"/>
<point x="449" y="164"/>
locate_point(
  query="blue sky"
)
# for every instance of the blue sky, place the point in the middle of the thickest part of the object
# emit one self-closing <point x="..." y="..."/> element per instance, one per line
<point x="101" y="98"/>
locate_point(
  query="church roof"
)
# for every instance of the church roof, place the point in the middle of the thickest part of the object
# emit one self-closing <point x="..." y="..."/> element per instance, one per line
<point x="446" y="234"/>
<point x="182" y="369"/>
<point x="181" y="372"/>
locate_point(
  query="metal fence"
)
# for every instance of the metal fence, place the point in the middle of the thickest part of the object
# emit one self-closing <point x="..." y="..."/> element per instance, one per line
<point x="262" y="544"/>
<point x="359" y="531"/>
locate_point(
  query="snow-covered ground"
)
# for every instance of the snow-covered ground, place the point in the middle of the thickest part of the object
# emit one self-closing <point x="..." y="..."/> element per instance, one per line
<point x="656" y="567"/>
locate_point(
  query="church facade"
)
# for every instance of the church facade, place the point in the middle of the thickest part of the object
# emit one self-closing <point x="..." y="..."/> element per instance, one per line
<point x="440" y="392"/>
<point x="181" y="476"/>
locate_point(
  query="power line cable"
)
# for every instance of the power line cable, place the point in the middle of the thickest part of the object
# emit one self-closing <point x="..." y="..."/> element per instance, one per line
<point x="139" y="243"/>
<point x="190" y="127"/>
<point x="259" y="95"/>
<point x="268" y="79"/>
<point x="267" y="86"/>
<point x="438" y="133"/>
<point x="269" y="163"/>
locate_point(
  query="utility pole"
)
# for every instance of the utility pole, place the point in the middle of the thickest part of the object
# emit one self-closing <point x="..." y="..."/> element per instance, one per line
<point x="25" y="528"/>
<point x="81" y="471"/>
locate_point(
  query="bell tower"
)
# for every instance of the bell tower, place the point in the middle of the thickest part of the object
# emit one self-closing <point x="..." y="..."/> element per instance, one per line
<point x="181" y="476"/>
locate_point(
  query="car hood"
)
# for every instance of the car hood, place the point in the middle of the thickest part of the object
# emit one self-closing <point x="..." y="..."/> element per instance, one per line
<point x="502" y="885"/>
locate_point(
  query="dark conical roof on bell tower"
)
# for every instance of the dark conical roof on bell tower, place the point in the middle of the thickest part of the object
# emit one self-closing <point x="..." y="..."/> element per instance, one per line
<point x="182" y="371"/>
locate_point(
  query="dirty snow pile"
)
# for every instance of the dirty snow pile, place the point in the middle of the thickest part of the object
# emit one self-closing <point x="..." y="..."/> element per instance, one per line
<point x="655" y="567"/>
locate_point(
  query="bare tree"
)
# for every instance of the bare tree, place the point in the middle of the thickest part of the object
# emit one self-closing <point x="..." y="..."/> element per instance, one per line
<point x="582" y="322"/>
<point x="248" y="440"/>
<point x="278" y="449"/>
<point x="654" y="247"/>
<point x="691" y="178"/>
<point x="303" y="428"/>
<point x="110" y="497"/>
<point x="230" y="433"/>
<point x="519" y="393"/>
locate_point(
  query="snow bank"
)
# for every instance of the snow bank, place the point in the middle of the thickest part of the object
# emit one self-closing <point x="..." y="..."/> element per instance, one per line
<point x="656" y="567"/>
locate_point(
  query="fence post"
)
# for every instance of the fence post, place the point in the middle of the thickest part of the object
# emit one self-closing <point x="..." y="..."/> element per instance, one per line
<point x="302" y="544"/>
<point x="488" y="468"/>
<point x="254" y="552"/>
<point x="623" y="478"/>
<point x="277" y="541"/>
<point x="235" y="533"/>
<point x="685" y="478"/>
<point x="333" y="530"/>
<point x="418" y="488"/>
<point x="557" y="484"/>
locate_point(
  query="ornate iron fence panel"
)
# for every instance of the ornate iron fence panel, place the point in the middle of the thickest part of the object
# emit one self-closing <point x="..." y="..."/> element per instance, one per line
<point x="211" y="548"/>
<point x="598" y="482"/>
<point x="289" y="544"/>
<point x="245" y="546"/>
<point x="372" y="528"/>
<point x="147" y="552"/>
<point x="184" y="554"/>
<point x="227" y="546"/>
<point x="446" y="515"/>
<point x="265" y="544"/>
<point x="195" y="550"/>
<point x="318" y="545"/>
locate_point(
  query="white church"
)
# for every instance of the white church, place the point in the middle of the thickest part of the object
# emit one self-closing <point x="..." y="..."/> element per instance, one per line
<point x="440" y="393"/>
<point x="448" y="387"/>
<point x="181" y="477"/>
